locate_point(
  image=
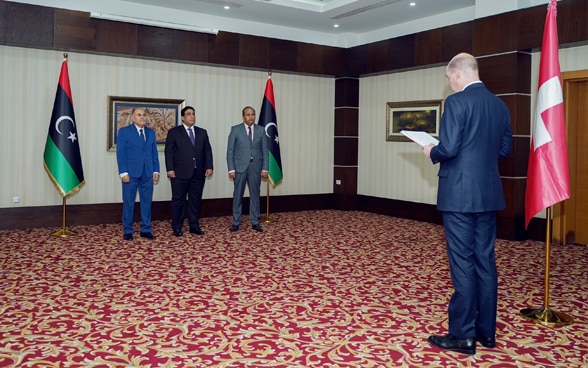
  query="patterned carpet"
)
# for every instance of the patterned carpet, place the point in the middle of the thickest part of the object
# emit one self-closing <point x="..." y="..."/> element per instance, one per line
<point x="316" y="289"/>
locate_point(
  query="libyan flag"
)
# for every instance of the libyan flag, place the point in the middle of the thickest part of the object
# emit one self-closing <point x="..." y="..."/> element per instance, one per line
<point x="62" y="158"/>
<point x="268" y="120"/>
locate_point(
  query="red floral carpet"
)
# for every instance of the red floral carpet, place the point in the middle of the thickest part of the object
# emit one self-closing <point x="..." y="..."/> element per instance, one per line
<point x="316" y="289"/>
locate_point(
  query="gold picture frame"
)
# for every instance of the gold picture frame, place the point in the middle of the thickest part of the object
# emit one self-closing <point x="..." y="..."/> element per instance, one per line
<point x="162" y="114"/>
<point x="424" y="116"/>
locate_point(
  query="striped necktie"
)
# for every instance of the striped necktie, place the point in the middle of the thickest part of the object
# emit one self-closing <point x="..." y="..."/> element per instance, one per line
<point x="191" y="134"/>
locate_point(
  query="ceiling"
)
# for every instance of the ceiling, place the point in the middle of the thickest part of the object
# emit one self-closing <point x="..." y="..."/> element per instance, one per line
<point x="311" y="21"/>
<point x="351" y="16"/>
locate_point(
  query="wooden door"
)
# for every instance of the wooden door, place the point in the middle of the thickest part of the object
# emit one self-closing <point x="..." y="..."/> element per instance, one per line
<point x="581" y="169"/>
<point x="570" y="222"/>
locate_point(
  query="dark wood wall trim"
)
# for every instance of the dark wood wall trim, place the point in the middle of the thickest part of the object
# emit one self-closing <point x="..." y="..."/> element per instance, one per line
<point x="428" y="213"/>
<point x="346" y="141"/>
<point x="109" y="213"/>
<point x="43" y="27"/>
<point x="508" y="76"/>
<point x="403" y="209"/>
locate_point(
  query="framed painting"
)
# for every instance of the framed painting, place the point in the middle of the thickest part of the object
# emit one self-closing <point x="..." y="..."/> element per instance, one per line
<point x="423" y="116"/>
<point x="161" y="115"/>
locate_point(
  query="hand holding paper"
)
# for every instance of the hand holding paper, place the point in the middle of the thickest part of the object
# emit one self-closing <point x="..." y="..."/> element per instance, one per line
<point x="421" y="138"/>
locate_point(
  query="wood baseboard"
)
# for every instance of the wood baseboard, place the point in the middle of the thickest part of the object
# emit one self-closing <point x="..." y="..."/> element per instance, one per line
<point x="106" y="213"/>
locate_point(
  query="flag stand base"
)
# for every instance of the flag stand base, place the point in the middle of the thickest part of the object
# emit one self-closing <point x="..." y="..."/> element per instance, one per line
<point x="547" y="316"/>
<point x="267" y="219"/>
<point x="63" y="233"/>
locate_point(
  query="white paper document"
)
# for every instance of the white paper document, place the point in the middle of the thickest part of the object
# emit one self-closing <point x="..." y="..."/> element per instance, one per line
<point x="421" y="138"/>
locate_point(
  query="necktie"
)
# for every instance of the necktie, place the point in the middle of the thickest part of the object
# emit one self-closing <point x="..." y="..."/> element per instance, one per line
<point x="141" y="134"/>
<point x="191" y="135"/>
<point x="250" y="134"/>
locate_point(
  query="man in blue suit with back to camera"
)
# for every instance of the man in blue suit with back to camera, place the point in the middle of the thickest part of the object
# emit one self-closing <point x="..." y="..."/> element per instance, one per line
<point x="248" y="161"/>
<point x="138" y="168"/>
<point x="474" y="134"/>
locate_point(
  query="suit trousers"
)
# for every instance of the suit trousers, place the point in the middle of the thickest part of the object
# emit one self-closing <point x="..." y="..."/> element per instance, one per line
<point x="251" y="178"/>
<point x="193" y="188"/>
<point x="144" y="185"/>
<point x="472" y="261"/>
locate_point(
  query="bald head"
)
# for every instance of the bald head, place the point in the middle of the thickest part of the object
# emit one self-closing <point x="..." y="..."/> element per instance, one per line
<point x="461" y="71"/>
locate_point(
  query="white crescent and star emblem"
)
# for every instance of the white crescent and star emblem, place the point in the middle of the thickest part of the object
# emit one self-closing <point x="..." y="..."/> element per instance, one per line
<point x="72" y="135"/>
<point x="266" y="133"/>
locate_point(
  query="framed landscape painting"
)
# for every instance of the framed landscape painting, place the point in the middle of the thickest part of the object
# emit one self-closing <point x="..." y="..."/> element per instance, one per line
<point x="161" y="115"/>
<point x="423" y="116"/>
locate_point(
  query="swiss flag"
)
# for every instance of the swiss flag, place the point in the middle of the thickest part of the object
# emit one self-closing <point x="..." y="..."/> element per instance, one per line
<point x="547" y="177"/>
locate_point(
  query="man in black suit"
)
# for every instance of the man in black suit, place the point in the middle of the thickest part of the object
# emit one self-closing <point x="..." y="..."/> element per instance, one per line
<point x="188" y="160"/>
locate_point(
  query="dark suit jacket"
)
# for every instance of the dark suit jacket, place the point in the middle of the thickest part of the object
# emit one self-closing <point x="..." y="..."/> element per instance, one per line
<point x="475" y="132"/>
<point x="180" y="154"/>
<point x="240" y="149"/>
<point x="133" y="153"/>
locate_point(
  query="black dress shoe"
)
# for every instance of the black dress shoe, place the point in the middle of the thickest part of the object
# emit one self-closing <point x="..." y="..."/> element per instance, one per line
<point x="196" y="231"/>
<point x="487" y="342"/>
<point x="128" y="236"/>
<point x="452" y="343"/>
<point x="234" y="228"/>
<point x="256" y="227"/>
<point x="149" y="236"/>
<point x="178" y="233"/>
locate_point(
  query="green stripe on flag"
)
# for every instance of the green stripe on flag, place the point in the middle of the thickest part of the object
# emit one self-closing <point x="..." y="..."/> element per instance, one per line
<point x="59" y="168"/>
<point x="275" y="171"/>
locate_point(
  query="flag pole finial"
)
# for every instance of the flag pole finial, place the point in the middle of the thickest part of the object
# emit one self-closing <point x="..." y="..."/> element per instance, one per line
<point x="269" y="73"/>
<point x="65" y="55"/>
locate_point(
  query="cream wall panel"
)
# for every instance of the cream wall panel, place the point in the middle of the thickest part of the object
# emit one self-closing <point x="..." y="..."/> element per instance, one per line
<point x="573" y="58"/>
<point x="570" y="59"/>
<point x="396" y="170"/>
<point x="29" y="78"/>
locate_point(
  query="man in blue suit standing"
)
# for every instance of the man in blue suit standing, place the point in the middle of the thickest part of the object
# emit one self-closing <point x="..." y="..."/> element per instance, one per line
<point x="474" y="134"/>
<point x="138" y="168"/>
<point x="247" y="160"/>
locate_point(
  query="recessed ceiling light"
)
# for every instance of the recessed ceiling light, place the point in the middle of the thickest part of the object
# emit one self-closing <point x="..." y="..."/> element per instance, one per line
<point x="412" y="4"/>
<point x="336" y="25"/>
<point x="227" y="7"/>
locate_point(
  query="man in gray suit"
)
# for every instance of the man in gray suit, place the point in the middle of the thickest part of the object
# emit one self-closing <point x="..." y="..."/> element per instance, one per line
<point x="247" y="160"/>
<point x="475" y="133"/>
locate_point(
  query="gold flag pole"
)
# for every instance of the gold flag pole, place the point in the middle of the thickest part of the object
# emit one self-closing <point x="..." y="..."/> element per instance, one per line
<point x="63" y="232"/>
<point x="267" y="217"/>
<point x="546" y="315"/>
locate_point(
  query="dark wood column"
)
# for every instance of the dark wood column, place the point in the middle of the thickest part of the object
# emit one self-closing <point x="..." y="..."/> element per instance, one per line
<point x="346" y="142"/>
<point x="509" y="76"/>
